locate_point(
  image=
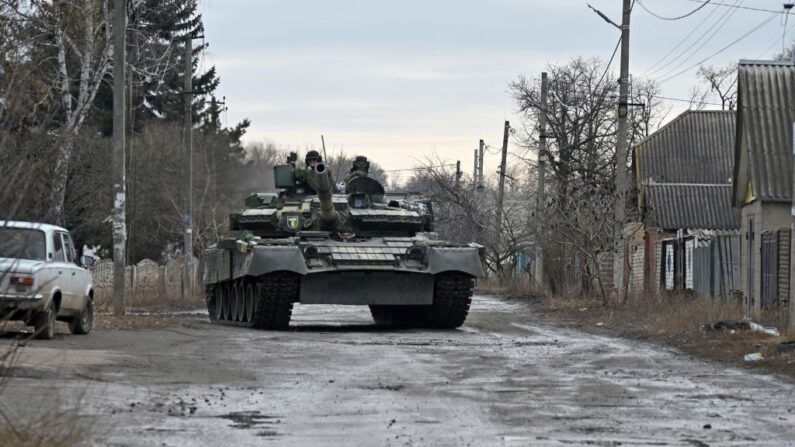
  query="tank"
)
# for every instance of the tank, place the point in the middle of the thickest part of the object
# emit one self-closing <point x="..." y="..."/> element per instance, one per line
<point x="315" y="242"/>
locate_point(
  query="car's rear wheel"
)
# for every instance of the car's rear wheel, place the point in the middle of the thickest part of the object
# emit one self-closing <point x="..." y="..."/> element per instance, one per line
<point x="83" y="323"/>
<point x="45" y="323"/>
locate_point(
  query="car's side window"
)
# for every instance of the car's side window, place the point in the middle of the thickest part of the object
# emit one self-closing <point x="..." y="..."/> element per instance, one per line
<point x="68" y="248"/>
<point x="58" y="246"/>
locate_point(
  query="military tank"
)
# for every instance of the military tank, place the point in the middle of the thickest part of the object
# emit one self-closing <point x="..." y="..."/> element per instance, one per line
<point x="312" y="244"/>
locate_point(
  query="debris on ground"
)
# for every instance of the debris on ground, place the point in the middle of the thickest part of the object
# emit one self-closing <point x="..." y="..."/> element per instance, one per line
<point x="740" y="325"/>
<point x="786" y="347"/>
<point x="754" y="357"/>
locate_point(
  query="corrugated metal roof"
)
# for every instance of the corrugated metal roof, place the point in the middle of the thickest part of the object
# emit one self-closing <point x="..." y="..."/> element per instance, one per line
<point x="696" y="147"/>
<point x="691" y="206"/>
<point x="766" y="111"/>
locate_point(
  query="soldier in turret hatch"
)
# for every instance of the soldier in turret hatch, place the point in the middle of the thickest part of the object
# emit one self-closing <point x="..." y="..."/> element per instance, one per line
<point x="360" y="168"/>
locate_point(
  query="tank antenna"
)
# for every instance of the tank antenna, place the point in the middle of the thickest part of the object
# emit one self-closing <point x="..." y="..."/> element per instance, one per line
<point x="323" y="140"/>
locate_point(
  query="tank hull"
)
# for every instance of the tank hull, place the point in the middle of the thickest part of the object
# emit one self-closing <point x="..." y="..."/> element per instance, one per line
<point x="372" y="272"/>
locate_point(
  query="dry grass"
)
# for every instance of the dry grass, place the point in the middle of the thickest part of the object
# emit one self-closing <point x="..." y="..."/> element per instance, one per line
<point x="134" y="321"/>
<point x="45" y="423"/>
<point x="150" y="301"/>
<point x="49" y="428"/>
<point x="677" y="320"/>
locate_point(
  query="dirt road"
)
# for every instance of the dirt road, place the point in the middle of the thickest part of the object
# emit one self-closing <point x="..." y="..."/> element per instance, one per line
<point x="509" y="377"/>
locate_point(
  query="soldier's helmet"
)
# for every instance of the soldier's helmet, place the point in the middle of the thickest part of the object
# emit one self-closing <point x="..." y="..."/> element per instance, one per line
<point x="360" y="163"/>
<point x="312" y="156"/>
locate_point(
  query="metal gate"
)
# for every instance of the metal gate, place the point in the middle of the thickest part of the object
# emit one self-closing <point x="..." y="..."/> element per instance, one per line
<point x="769" y="273"/>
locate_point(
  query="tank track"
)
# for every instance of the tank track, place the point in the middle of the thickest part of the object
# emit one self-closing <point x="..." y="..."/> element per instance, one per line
<point x="265" y="302"/>
<point x="452" y="296"/>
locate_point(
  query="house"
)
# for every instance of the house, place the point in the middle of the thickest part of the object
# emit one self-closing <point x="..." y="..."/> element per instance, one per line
<point x="762" y="186"/>
<point x="689" y="238"/>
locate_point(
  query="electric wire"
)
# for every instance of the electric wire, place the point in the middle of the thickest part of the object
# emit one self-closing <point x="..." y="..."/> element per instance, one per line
<point x="703" y="40"/>
<point x="424" y="168"/>
<point x="668" y="98"/>
<point x="734" y="42"/>
<point x="776" y="41"/>
<point x="681" y="42"/>
<point x="736" y="6"/>
<point x="609" y="63"/>
<point x="698" y="8"/>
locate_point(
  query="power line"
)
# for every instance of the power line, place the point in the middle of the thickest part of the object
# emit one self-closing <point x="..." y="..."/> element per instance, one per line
<point x="698" y="8"/>
<point x="709" y="33"/>
<point x="735" y="6"/>
<point x="686" y="100"/>
<point x="424" y="168"/>
<point x="775" y="42"/>
<point x="609" y="63"/>
<point x="684" y="39"/>
<point x="748" y="33"/>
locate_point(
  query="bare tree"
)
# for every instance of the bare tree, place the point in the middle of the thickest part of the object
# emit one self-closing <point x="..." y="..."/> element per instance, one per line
<point x="722" y="82"/>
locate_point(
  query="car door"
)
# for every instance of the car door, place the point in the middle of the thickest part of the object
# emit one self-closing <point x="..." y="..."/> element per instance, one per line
<point x="71" y="295"/>
<point x="59" y="272"/>
<point x="81" y="277"/>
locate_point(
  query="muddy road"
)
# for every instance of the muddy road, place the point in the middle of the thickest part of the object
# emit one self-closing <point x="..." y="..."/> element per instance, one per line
<point x="508" y="377"/>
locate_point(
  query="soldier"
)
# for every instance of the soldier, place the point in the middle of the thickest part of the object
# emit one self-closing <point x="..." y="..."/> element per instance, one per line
<point x="312" y="159"/>
<point x="360" y="168"/>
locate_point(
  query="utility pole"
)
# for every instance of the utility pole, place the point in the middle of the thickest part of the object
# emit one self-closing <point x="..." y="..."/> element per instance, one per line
<point x="458" y="174"/>
<point x="481" y="149"/>
<point x="475" y="171"/>
<point x="791" y="325"/>
<point x="501" y="188"/>
<point x="187" y="275"/>
<point x="119" y="169"/>
<point x="542" y="173"/>
<point x="621" y="158"/>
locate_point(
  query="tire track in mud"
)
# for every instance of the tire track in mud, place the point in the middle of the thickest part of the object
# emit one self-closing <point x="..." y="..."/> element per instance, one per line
<point x="507" y="377"/>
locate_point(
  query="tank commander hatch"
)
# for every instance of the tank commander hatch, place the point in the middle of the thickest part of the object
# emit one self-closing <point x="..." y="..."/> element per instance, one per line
<point x="360" y="168"/>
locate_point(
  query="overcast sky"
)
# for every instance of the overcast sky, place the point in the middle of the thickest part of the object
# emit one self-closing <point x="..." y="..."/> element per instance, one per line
<point x="401" y="79"/>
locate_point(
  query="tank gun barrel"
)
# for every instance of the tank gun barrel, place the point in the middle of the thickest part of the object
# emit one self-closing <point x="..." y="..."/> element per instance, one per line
<point x="328" y="215"/>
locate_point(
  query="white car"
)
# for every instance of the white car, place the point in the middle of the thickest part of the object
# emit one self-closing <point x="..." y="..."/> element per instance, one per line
<point x="42" y="281"/>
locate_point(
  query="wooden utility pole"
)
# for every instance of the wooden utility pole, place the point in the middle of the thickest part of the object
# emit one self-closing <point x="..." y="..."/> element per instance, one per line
<point x="542" y="173"/>
<point x="501" y="187"/>
<point x="118" y="159"/>
<point x="187" y="275"/>
<point x="621" y="159"/>
<point x="481" y="149"/>
<point x="458" y="174"/>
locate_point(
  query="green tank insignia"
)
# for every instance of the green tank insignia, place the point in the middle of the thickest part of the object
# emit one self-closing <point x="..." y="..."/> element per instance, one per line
<point x="311" y="244"/>
<point x="293" y="222"/>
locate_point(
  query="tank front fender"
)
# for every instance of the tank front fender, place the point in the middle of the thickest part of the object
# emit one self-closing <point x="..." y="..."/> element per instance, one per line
<point x="267" y="259"/>
<point x="458" y="259"/>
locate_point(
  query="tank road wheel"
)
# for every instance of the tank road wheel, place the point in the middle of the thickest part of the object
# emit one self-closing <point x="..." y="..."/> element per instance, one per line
<point x="240" y="297"/>
<point x="274" y="299"/>
<point x="249" y="299"/>
<point x="220" y="290"/>
<point x="211" y="298"/>
<point x="452" y="294"/>
<point x="229" y="290"/>
<point x="233" y="300"/>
